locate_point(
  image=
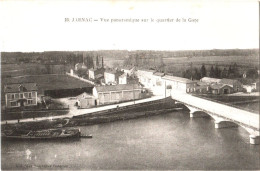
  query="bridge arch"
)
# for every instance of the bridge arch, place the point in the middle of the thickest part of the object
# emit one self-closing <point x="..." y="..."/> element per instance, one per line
<point x="221" y="122"/>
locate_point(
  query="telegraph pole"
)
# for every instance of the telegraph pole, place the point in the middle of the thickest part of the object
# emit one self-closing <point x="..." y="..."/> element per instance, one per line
<point x="134" y="93"/>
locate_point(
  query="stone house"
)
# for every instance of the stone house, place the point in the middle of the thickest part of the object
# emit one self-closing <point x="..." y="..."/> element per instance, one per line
<point x="20" y="95"/>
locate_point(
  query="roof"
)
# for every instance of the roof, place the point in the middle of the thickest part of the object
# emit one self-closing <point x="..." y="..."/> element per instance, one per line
<point x="228" y="81"/>
<point x="159" y="74"/>
<point x="23" y="87"/>
<point x="128" y="67"/>
<point x="200" y="83"/>
<point x="201" y="87"/>
<point x="178" y="79"/>
<point x="123" y="75"/>
<point x="147" y="70"/>
<point x="116" y="72"/>
<point x="96" y="69"/>
<point x="210" y="80"/>
<point x="80" y="65"/>
<point x="217" y="86"/>
<point x="84" y="96"/>
<point x="118" y="87"/>
<point x="99" y="76"/>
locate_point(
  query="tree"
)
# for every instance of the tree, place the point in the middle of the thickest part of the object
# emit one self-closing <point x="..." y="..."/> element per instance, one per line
<point x="252" y="73"/>
<point x="212" y="72"/>
<point x="203" y="71"/>
<point x="230" y="71"/>
<point x="224" y="73"/>
<point x="235" y="70"/>
<point x="197" y="74"/>
<point x="217" y="72"/>
<point x="97" y="62"/>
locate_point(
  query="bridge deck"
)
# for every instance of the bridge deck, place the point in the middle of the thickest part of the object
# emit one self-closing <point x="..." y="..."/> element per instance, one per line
<point x="231" y="113"/>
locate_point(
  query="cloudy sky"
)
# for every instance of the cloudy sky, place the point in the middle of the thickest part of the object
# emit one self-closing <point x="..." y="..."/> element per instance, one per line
<point x="30" y="25"/>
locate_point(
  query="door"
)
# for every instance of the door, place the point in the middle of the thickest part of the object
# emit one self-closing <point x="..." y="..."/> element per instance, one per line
<point x="226" y="91"/>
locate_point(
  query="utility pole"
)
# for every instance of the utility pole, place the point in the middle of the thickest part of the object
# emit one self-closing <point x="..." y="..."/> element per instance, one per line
<point x="134" y="93"/>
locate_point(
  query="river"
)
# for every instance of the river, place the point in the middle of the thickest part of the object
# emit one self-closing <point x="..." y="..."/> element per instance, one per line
<point x="169" y="141"/>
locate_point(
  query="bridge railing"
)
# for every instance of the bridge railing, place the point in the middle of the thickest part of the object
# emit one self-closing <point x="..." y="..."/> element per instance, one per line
<point x="228" y="104"/>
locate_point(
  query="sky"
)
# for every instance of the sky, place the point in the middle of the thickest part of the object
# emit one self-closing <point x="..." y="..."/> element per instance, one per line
<point x="30" y="25"/>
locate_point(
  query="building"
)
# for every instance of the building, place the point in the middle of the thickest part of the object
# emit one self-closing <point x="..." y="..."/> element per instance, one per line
<point x="248" y="88"/>
<point x="235" y="84"/>
<point x="20" y="95"/>
<point x="85" y="100"/>
<point x="221" y="89"/>
<point x="123" y="79"/>
<point x="117" y="93"/>
<point x="146" y="77"/>
<point x="111" y="76"/>
<point x="79" y="66"/>
<point x="126" y="79"/>
<point x="129" y="70"/>
<point x="256" y="86"/>
<point x="93" y="72"/>
<point x="157" y="78"/>
<point x="179" y="84"/>
<point x="210" y="80"/>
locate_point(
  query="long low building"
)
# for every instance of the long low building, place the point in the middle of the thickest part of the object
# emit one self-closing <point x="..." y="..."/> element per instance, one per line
<point x="117" y="93"/>
<point x="179" y="84"/>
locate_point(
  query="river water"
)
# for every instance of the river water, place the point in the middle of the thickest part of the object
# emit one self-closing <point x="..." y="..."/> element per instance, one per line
<point x="169" y="141"/>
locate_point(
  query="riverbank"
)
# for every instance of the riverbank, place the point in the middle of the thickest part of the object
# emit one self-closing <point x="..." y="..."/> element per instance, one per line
<point x="109" y="115"/>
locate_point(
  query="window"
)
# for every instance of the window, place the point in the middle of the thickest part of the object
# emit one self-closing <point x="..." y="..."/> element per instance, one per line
<point x="12" y="96"/>
<point x="21" y="96"/>
<point x="13" y="103"/>
<point x="29" y="101"/>
<point x="30" y="95"/>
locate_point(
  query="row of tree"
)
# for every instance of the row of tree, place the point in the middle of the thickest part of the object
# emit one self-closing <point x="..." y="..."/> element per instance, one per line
<point x="215" y="72"/>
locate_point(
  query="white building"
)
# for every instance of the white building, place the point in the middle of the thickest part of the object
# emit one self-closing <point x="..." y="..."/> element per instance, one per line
<point x="112" y="76"/>
<point x="129" y="70"/>
<point x="146" y="77"/>
<point x="179" y="84"/>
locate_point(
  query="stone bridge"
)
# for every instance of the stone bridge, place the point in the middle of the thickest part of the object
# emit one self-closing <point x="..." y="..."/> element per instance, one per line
<point x="225" y="116"/>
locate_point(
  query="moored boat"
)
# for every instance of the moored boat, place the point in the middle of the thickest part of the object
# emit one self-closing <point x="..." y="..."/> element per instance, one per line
<point x="59" y="133"/>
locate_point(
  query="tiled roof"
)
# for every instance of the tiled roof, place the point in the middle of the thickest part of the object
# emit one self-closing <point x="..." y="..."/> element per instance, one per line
<point x="178" y="79"/>
<point x="12" y="88"/>
<point x="118" y="87"/>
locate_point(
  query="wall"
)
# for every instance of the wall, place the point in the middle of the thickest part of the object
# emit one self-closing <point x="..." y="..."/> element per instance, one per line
<point x="118" y="96"/>
<point x="8" y="99"/>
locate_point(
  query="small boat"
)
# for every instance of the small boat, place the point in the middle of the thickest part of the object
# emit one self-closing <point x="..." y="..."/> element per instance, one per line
<point x="59" y="133"/>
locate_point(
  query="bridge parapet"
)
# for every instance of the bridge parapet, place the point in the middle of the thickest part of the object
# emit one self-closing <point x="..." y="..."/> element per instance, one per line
<point x="224" y="116"/>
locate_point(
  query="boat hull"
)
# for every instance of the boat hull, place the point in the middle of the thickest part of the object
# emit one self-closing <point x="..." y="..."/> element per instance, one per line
<point x="45" y="135"/>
